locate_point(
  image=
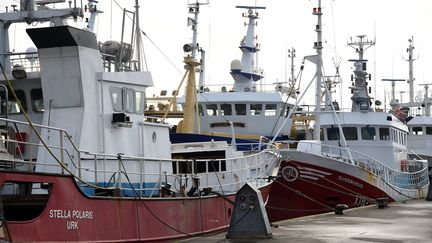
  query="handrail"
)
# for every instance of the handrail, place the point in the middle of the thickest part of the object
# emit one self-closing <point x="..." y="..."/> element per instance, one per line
<point x="400" y="179"/>
<point x="254" y="167"/>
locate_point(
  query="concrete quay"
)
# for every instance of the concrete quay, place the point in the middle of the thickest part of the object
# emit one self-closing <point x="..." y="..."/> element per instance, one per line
<point x="399" y="222"/>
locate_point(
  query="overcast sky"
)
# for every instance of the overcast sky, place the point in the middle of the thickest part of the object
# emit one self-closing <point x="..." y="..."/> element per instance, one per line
<point x="282" y="25"/>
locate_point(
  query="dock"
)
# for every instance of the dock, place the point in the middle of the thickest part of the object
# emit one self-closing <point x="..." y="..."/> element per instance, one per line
<point x="409" y="221"/>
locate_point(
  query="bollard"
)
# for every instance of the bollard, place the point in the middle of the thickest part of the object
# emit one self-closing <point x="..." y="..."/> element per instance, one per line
<point x="382" y="202"/>
<point x="340" y="208"/>
<point x="249" y="219"/>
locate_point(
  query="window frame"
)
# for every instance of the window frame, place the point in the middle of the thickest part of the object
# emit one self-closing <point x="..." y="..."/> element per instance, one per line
<point x="368" y="128"/>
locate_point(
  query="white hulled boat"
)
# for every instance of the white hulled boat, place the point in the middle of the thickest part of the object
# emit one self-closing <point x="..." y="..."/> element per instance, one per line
<point x="246" y="110"/>
<point x="416" y="113"/>
<point x="94" y="168"/>
<point x="356" y="158"/>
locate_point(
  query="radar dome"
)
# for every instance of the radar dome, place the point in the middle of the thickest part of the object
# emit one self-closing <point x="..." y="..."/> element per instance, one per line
<point x="236" y="65"/>
<point x="31" y="54"/>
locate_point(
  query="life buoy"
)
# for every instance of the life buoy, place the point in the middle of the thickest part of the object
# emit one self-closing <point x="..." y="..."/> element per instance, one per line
<point x="404" y="165"/>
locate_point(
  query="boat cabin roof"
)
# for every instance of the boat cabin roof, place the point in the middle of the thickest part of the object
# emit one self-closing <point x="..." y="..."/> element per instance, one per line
<point x="233" y="97"/>
<point x="420" y="120"/>
<point x="362" y="118"/>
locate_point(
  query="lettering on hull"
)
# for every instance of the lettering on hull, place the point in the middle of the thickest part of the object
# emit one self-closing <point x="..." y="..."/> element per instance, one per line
<point x="73" y="215"/>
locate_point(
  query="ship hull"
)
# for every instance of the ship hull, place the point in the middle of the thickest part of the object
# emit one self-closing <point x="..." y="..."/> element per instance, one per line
<point x="308" y="184"/>
<point x="69" y="215"/>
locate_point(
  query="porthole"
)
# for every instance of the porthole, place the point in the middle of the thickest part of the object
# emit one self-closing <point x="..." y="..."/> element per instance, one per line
<point x="154" y="137"/>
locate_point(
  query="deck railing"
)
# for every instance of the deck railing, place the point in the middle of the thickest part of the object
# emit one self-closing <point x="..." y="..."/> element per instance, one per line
<point x="402" y="181"/>
<point x="131" y="174"/>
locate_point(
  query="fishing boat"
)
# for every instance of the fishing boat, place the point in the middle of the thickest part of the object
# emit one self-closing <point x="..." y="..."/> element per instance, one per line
<point x="94" y="168"/>
<point x="244" y="112"/>
<point x="356" y="158"/>
<point x="416" y="112"/>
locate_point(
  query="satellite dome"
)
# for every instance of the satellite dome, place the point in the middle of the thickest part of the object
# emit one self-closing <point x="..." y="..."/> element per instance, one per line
<point x="31" y="54"/>
<point x="236" y="65"/>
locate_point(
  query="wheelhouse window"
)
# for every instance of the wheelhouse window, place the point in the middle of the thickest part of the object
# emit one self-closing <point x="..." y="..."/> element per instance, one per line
<point x="417" y="131"/>
<point x="393" y="135"/>
<point x="37" y="100"/>
<point x="200" y="110"/>
<point x="368" y="133"/>
<point x="139" y="102"/>
<point x="384" y="134"/>
<point x="333" y="133"/>
<point x="284" y="110"/>
<point x="211" y="109"/>
<point x="127" y="100"/>
<point x="350" y="133"/>
<point x="117" y="98"/>
<point x="270" y="110"/>
<point x="240" y="109"/>
<point x="428" y="130"/>
<point x="226" y="109"/>
<point x="12" y="105"/>
<point x="256" y="109"/>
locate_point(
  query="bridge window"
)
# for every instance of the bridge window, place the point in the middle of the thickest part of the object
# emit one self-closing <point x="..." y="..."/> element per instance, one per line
<point x="417" y="131"/>
<point x="333" y="133"/>
<point x="368" y="133"/>
<point x="226" y="109"/>
<point x="384" y="134"/>
<point x="256" y="109"/>
<point x="37" y="100"/>
<point x="270" y="109"/>
<point x="12" y="105"/>
<point x="117" y="98"/>
<point x="200" y="110"/>
<point x="139" y="102"/>
<point x="240" y="109"/>
<point x="211" y="109"/>
<point x="284" y="110"/>
<point x="127" y="100"/>
<point x="393" y="135"/>
<point x="350" y="133"/>
<point x="428" y="130"/>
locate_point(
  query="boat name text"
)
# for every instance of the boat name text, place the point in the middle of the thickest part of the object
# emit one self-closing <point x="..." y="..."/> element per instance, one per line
<point x="350" y="181"/>
<point x="70" y="214"/>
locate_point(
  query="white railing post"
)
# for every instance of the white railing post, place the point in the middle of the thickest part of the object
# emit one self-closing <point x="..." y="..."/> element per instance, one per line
<point x="141" y="186"/>
<point x="61" y="148"/>
<point x="95" y="168"/>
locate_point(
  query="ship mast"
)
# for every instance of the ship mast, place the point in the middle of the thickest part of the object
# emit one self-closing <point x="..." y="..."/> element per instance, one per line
<point x="361" y="101"/>
<point x="245" y="72"/>
<point x="410" y="61"/>
<point x="318" y="74"/>
<point x="292" y="55"/>
<point x="188" y="123"/>
<point x="138" y="37"/>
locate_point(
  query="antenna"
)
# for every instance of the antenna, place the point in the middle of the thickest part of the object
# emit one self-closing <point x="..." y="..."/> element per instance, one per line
<point x="427" y="101"/>
<point x="410" y="61"/>
<point x="360" y="90"/>
<point x="393" y="101"/>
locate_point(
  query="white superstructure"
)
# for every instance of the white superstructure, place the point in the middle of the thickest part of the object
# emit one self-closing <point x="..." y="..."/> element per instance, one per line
<point x="247" y="107"/>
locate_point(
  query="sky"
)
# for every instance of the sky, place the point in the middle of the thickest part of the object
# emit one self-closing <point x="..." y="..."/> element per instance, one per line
<point x="282" y="25"/>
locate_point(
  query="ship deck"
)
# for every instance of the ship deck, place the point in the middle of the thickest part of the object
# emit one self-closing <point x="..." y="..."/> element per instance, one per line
<point x="400" y="222"/>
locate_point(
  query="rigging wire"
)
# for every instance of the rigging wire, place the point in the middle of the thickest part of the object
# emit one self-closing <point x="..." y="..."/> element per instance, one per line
<point x="298" y="78"/>
<point x="151" y="42"/>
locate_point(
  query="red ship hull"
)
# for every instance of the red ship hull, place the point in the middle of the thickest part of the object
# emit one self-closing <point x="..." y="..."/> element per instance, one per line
<point x="69" y="215"/>
<point x="303" y="189"/>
